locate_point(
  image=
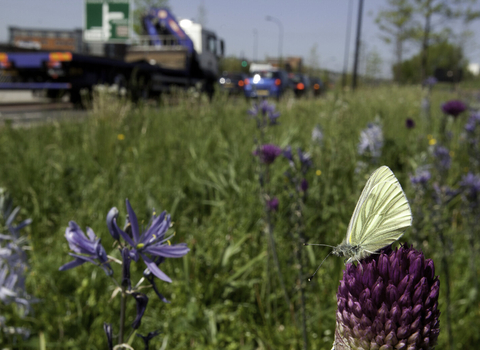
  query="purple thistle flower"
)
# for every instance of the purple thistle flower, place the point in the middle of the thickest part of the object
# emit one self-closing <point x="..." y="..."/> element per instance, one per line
<point x="442" y="156"/>
<point x="388" y="301"/>
<point x="152" y="243"/>
<point x="86" y="249"/>
<point x="409" y="123"/>
<point x="272" y="204"/>
<point x="268" y="153"/>
<point x="142" y="301"/>
<point x="454" y="108"/>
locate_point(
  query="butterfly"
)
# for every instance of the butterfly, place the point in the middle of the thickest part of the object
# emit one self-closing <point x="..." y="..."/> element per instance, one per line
<point x="380" y="218"/>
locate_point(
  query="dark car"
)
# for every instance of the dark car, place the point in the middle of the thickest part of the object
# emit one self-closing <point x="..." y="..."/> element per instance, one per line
<point x="233" y="83"/>
<point x="269" y="83"/>
<point x="318" y="86"/>
<point x="300" y="84"/>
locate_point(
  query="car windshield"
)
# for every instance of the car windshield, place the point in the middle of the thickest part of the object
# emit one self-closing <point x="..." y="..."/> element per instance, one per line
<point x="297" y="78"/>
<point x="267" y="74"/>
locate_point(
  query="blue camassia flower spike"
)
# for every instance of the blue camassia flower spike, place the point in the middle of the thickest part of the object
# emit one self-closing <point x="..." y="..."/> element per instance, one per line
<point x="86" y="249"/>
<point x="151" y="243"/>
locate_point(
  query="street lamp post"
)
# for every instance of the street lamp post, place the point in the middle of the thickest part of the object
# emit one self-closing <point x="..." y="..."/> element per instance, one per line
<point x="280" y="26"/>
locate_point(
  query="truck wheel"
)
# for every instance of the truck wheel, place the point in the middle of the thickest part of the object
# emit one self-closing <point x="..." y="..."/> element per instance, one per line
<point x="141" y="90"/>
<point x="209" y="89"/>
<point x="76" y="98"/>
<point x="120" y="85"/>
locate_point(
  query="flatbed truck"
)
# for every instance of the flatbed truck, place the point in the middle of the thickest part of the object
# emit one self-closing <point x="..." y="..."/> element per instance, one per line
<point x="172" y="53"/>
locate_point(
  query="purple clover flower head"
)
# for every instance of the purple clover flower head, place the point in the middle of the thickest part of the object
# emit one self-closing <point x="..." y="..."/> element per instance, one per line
<point x="152" y="243"/>
<point x="442" y="156"/>
<point x="454" y="108"/>
<point x="142" y="301"/>
<point x="388" y="301"/>
<point x="263" y="111"/>
<point x="287" y="153"/>
<point x="305" y="160"/>
<point x="442" y="195"/>
<point x="470" y="183"/>
<point x="472" y="123"/>
<point x="409" y="123"/>
<point x="85" y="249"/>
<point x="422" y="176"/>
<point x="272" y="204"/>
<point x="371" y="141"/>
<point x="430" y="81"/>
<point x="268" y="153"/>
<point x="304" y="185"/>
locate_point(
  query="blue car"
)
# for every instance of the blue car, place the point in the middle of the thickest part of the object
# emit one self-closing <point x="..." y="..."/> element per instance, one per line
<point x="266" y="84"/>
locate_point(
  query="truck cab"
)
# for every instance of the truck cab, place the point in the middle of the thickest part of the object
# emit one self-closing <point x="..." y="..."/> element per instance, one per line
<point x="207" y="47"/>
<point x="182" y="46"/>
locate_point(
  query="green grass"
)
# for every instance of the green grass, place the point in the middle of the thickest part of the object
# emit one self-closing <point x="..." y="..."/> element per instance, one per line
<point x="194" y="159"/>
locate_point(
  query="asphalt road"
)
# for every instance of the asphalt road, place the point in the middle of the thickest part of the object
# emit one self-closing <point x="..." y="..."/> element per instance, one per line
<point x="25" y="109"/>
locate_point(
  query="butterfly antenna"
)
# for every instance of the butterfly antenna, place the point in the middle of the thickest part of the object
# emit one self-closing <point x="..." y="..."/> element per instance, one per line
<point x="310" y="278"/>
<point x="322" y="245"/>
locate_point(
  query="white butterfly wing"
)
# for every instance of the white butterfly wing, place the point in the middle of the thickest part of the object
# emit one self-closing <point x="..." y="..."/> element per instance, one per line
<point x="382" y="213"/>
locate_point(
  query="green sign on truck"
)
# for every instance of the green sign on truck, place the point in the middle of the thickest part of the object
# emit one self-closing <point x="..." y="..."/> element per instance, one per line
<point x="107" y="21"/>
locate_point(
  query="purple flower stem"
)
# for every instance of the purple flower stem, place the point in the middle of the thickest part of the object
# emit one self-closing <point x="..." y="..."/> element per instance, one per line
<point x="447" y="292"/>
<point x="271" y="240"/>
<point x="299" y="227"/>
<point x="123" y="305"/>
<point x="439" y="227"/>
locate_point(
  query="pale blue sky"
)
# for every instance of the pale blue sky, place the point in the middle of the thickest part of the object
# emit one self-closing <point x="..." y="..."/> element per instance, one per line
<point x="306" y="23"/>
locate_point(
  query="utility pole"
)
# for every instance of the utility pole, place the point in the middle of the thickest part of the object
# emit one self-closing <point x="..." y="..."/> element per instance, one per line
<point x="357" y="44"/>
<point x="347" y="45"/>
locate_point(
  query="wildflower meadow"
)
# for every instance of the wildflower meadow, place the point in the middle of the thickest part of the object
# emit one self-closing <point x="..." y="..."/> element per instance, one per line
<point x="185" y="225"/>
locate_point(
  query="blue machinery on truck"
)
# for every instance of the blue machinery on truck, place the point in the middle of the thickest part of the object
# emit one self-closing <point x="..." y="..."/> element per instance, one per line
<point x="172" y="53"/>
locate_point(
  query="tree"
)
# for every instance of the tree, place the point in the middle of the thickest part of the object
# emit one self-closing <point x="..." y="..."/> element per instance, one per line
<point x="433" y="13"/>
<point x="142" y="6"/>
<point x="395" y="22"/>
<point x="441" y="55"/>
<point x="374" y="62"/>
<point x="313" y="60"/>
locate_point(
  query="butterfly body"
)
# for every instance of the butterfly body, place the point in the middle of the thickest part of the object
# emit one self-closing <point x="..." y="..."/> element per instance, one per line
<point x="351" y="252"/>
